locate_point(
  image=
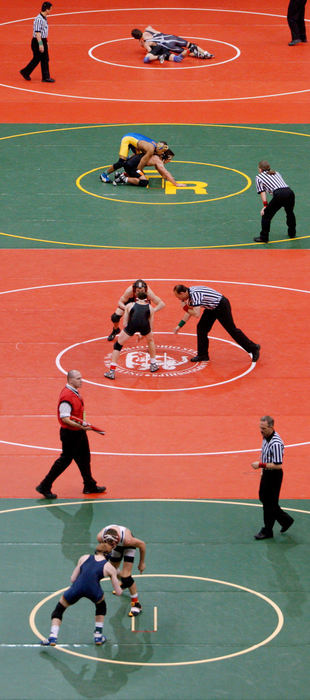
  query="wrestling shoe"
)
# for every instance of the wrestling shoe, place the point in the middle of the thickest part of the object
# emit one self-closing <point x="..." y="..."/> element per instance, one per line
<point x="195" y="51"/>
<point x="104" y="177"/>
<point x="136" y="609"/>
<point x="206" y="54"/>
<point x="154" y="367"/>
<point x="120" y="179"/>
<point x="161" y="59"/>
<point x="113" y="333"/>
<point x="110" y="374"/>
<point x="99" y="639"/>
<point x="50" y="642"/>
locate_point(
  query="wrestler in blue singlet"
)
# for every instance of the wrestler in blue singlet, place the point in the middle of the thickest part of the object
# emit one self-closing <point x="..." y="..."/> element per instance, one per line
<point x="87" y="584"/>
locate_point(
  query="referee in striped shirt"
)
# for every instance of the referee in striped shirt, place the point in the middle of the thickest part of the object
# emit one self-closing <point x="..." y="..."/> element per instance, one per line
<point x="216" y="307"/>
<point x="39" y="46"/>
<point x="271" y="480"/>
<point x="282" y="196"/>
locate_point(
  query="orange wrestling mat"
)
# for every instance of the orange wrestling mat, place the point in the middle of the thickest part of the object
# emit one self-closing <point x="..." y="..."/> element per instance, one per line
<point x="100" y="74"/>
<point x="188" y="431"/>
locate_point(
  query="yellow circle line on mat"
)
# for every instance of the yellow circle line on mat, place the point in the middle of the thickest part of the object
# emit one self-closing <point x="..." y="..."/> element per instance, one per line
<point x="168" y="204"/>
<point x="144" y="247"/>
<point x="268" y="639"/>
<point x="99" y="501"/>
<point x="108" y="126"/>
<point x="130" y="247"/>
<point x="122" y="247"/>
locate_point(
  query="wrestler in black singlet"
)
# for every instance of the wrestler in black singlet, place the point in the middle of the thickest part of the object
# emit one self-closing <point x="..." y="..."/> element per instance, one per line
<point x="139" y="320"/>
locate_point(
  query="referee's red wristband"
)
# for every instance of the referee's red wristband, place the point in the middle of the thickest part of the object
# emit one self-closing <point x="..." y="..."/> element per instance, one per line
<point x="265" y="204"/>
<point x="185" y="307"/>
<point x="262" y="465"/>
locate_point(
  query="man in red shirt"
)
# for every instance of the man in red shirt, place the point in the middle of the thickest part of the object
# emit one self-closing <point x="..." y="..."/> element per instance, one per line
<point x="73" y="437"/>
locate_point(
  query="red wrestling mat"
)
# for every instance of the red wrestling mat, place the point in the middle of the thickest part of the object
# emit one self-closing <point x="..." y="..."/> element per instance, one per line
<point x="100" y="75"/>
<point x="171" y="434"/>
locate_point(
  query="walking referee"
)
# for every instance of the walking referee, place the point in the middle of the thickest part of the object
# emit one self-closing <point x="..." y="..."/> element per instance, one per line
<point x="282" y="196"/>
<point x="216" y="307"/>
<point x="39" y="46"/>
<point x="271" y="480"/>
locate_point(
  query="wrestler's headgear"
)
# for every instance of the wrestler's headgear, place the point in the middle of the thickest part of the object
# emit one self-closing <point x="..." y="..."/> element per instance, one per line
<point x="160" y="147"/>
<point x="111" y="537"/>
<point x="139" y="284"/>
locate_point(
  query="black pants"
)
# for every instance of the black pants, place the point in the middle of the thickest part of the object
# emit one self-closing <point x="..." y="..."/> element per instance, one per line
<point x="75" y="446"/>
<point x="223" y="314"/>
<point x="38" y="57"/>
<point x="269" y="492"/>
<point x="296" y="19"/>
<point x="283" y="197"/>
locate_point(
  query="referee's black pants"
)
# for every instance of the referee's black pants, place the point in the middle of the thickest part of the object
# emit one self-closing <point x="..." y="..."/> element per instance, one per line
<point x="296" y="19"/>
<point x="75" y="446"/>
<point x="282" y="197"/>
<point x="38" y="57"/>
<point x="223" y="314"/>
<point x="269" y="492"/>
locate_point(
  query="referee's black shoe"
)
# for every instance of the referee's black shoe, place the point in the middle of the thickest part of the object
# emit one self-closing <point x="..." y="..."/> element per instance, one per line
<point x="258" y="239"/>
<point x="262" y="535"/>
<point x="200" y="358"/>
<point x="94" y="489"/>
<point x="255" y="353"/>
<point x="47" y="80"/>
<point x="288" y="524"/>
<point x="25" y="75"/>
<point x="45" y="492"/>
<point x="113" y="333"/>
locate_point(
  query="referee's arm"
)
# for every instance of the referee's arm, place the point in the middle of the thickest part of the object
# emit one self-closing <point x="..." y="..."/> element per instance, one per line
<point x="264" y="200"/>
<point x="40" y="42"/>
<point x="266" y="465"/>
<point x="189" y="311"/>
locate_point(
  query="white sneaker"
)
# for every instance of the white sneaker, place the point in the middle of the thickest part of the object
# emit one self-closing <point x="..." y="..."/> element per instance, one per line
<point x="154" y="367"/>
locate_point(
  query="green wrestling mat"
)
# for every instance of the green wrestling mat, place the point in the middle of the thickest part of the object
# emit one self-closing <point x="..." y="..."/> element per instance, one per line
<point x="230" y="611"/>
<point x="50" y="181"/>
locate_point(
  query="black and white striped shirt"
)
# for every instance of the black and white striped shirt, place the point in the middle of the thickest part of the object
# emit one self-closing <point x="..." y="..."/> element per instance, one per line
<point x="272" y="449"/>
<point x="204" y="296"/>
<point x="40" y="25"/>
<point x="269" y="183"/>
